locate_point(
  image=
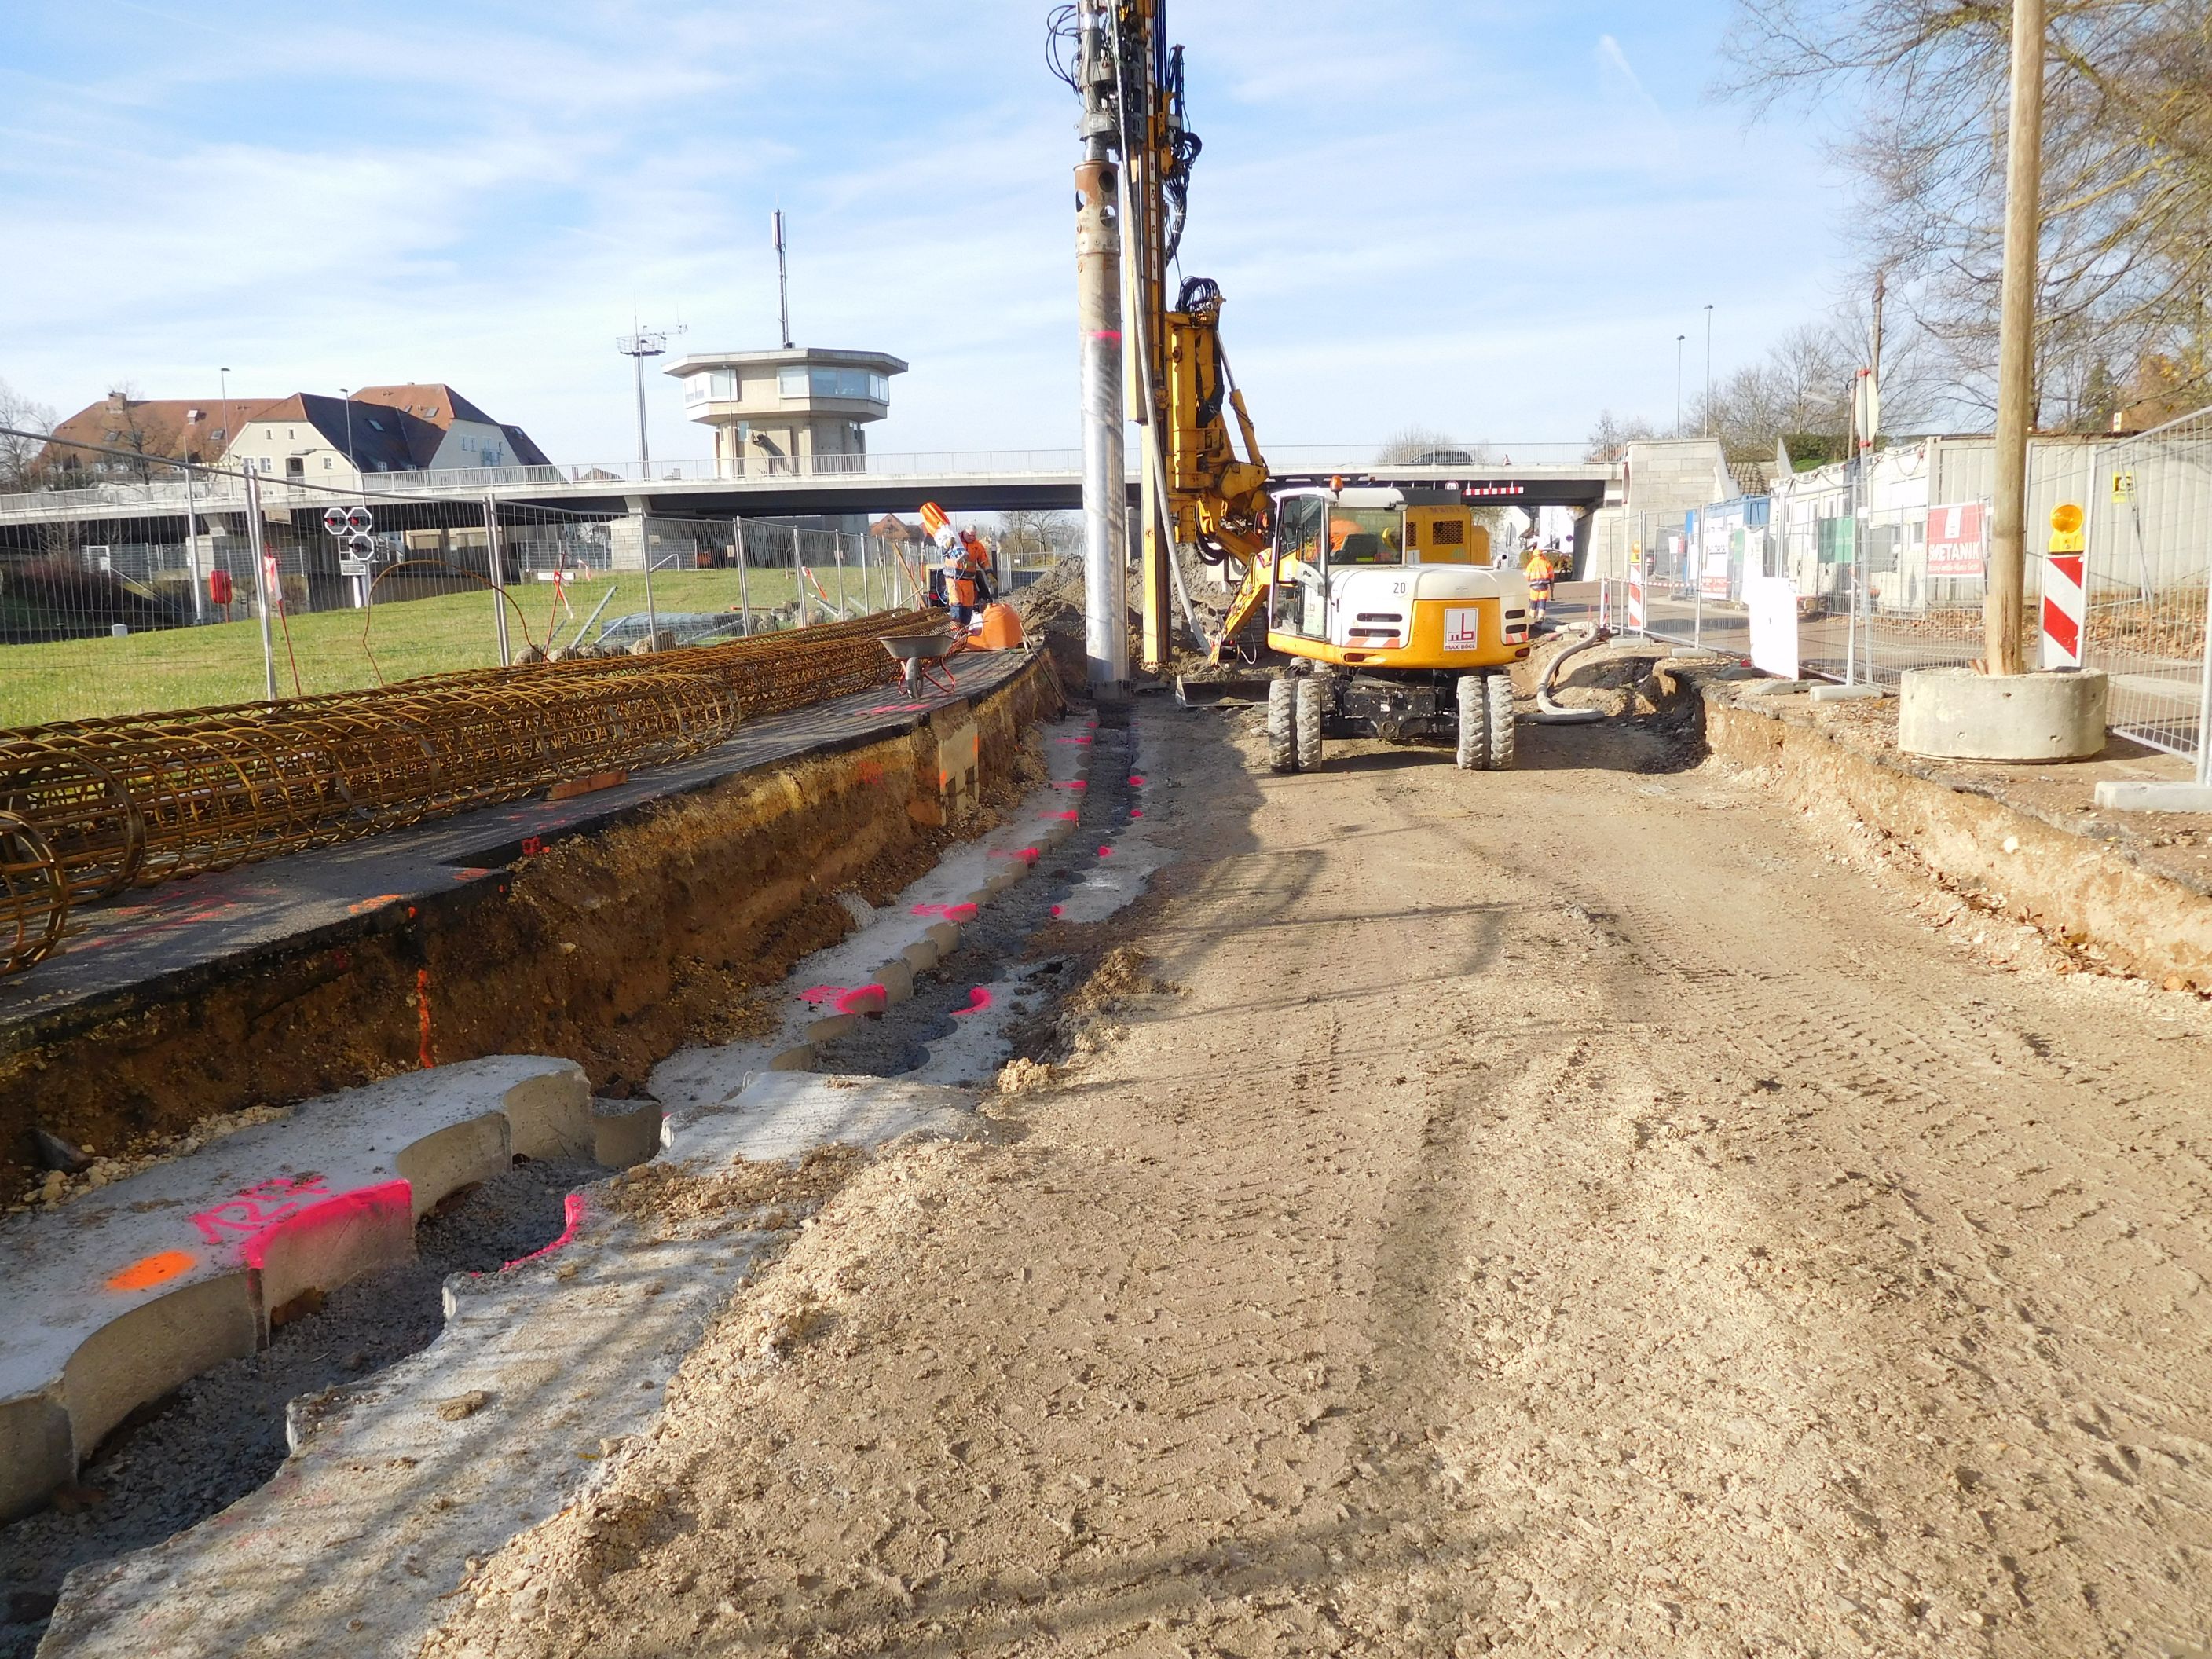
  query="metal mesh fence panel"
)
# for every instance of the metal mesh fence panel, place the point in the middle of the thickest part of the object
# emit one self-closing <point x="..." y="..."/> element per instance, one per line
<point x="2146" y="595"/>
<point x="190" y="587"/>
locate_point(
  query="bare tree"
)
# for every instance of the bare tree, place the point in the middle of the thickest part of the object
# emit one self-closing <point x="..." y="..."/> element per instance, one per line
<point x="1610" y="438"/>
<point x="19" y="456"/>
<point x="2127" y="261"/>
<point x="1033" y="535"/>
<point x="1418" y="445"/>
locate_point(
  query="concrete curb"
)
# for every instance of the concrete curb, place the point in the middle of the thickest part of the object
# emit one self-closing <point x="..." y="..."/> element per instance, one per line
<point x="118" y="1298"/>
<point x="397" y="1487"/>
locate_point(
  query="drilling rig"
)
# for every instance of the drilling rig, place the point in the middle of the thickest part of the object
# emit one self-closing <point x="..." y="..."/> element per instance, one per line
<point x="1376" y="610"/>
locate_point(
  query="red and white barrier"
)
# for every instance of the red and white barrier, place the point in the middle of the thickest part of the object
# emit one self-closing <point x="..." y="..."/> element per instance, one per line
<point x="2063" y="610"/>
<point x="1636" y="596"/>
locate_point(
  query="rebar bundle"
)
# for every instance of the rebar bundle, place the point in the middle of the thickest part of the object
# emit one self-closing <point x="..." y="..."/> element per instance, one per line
<point x="90" y="808"/>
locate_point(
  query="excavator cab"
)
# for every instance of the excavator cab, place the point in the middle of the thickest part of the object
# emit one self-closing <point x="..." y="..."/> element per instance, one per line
<point x="1394" y="623"/>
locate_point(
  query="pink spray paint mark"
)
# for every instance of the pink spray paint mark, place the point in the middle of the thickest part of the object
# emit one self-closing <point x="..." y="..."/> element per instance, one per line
<point x="949" y="912"/>
<point x="256" y="1208"/>
<point x="1073" y="740"/>
<point x="572" y="1207"/>
<point x="1105" y="852"/>
<point x="978" y="1000"/>
<point x="1071" y="783"/>
<point x="1056" y="910"/>
<point x="1065" y="817"/>
<point x="847" y="998"/>
<point x="388" y="1201"/>
<point x="864" y="1000"/>
<point x="1135" y="781"/>
<point x="1136" y="811"/>
<point x="1026" y="854"/>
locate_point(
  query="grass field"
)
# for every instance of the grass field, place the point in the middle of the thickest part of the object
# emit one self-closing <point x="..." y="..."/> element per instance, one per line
<point x="221" y="663"/>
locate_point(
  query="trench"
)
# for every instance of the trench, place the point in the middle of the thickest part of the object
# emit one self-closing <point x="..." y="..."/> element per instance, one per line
<point x="999" y="952"/>
<point x="181" y="1459"/>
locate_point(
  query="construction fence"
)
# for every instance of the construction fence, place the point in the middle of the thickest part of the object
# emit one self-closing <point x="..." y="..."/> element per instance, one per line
<point x="1823" y="586"/>
<point x="254" y="588"/>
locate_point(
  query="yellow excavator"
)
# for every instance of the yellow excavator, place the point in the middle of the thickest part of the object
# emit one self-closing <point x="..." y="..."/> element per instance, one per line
<point x="1378" y="611"/>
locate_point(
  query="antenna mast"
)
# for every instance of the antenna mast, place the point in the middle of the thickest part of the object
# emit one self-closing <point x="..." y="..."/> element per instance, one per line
<point x="782" y="281"/>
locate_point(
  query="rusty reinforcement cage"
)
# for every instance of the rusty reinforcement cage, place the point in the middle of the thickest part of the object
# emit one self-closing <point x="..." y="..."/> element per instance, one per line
<point x="90" y="808"/>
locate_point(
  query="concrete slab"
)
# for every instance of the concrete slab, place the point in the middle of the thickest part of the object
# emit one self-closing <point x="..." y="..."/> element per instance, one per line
<point x="873" y="967"/>
<point x="1859" y="693"/>
<point x="542" y="1376"/>
<point x="2115" y="797"/>
<point x="117" y="1298"/>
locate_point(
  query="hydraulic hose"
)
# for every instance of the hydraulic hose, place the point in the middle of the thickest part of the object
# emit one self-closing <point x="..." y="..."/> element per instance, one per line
<point x="1549" y="712"/>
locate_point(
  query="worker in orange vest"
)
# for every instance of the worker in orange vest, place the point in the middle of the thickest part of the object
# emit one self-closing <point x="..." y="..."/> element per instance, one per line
<point x="1538" y="572"/>
<point x="966" y="571"/>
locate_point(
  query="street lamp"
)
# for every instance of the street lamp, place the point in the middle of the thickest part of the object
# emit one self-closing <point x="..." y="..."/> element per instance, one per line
<point x="228" y="436"/>
<point x="637" y="347"/>
<point x="1679" y="338"/>
<point x="1709" y="371"/>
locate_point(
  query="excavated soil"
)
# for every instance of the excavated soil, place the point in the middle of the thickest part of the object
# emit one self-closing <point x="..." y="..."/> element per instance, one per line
<point x="1568" y="1211"/>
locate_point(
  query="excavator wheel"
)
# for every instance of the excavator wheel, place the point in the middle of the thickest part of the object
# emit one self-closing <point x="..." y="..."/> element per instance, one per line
<point x="1497" y="691"/>
<point x="1474" y="723"/>
<point x="1282" y="725"/>
<point x="1311" y="700"/>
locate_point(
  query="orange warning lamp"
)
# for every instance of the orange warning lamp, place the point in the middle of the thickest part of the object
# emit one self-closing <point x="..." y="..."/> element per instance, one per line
<point x="2066" y="518"/>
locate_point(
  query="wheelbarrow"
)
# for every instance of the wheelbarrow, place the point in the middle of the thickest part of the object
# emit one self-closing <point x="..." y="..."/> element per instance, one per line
<point x="922" y="657"/>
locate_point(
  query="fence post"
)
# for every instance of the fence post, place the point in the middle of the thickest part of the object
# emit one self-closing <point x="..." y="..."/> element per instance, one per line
<point x="744" y="595"/>
<point x="2204" y="697"/>
<point x="498" y="585"/>
<point x="193" y="551"/>
<point x="865" y="606"/>
<point x="652" y="614"/>
<point x="258" y="548"/>
<point x="837" y="552"/>
<point x="799" y="574"/>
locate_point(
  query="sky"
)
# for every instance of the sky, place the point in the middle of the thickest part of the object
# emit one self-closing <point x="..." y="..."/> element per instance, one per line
<point x="1487" y="220"/>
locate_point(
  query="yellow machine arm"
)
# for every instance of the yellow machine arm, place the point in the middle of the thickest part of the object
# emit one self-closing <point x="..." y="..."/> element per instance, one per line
<point x="1218" y="499"/>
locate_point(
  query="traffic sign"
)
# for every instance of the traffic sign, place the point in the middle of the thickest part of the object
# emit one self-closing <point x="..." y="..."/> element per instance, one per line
<point x="2123" y="485"/>
<point x="334" y="521"/>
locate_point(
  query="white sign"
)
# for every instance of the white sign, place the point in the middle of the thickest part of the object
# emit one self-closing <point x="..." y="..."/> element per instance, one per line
<point x="1463" y="629"/>
<point x="1773" y="605"/>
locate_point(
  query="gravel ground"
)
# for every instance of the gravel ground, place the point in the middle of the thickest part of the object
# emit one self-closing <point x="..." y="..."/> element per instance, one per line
<point x="223" y="1434"/>
<point x="1588" y="1210"/>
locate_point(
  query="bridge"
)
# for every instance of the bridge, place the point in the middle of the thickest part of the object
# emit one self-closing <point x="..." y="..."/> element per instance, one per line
<point x="961" y="481"/>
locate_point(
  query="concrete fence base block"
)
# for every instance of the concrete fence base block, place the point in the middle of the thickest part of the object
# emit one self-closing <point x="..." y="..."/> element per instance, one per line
<point x="1955" y="714"/>
<point x="121" y="1296"/>
<point x="2112" y="797"/>
<point x="1846" y="693"/>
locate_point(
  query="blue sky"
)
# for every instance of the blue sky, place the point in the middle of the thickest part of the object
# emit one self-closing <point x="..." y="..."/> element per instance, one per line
<point x="1488" y="219"/>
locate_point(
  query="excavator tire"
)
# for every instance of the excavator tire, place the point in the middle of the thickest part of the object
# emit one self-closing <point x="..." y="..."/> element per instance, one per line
<point x="1311" y="697"/>
<point x="1497" y="691"/>
<point x="1282" y="727"/>
<point x="1474" y="723"/>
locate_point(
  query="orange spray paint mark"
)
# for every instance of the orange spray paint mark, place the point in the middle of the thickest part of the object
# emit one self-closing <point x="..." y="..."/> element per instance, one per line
<point x="147" y="1271"/>
<point x="423" y="1008"/>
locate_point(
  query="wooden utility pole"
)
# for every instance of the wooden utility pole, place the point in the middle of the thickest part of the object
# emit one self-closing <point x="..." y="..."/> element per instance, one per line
<point x="2007" y="592"/>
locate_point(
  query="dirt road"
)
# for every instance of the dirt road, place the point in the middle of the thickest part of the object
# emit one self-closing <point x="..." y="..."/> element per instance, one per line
<point x="1566" y="1213"/>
